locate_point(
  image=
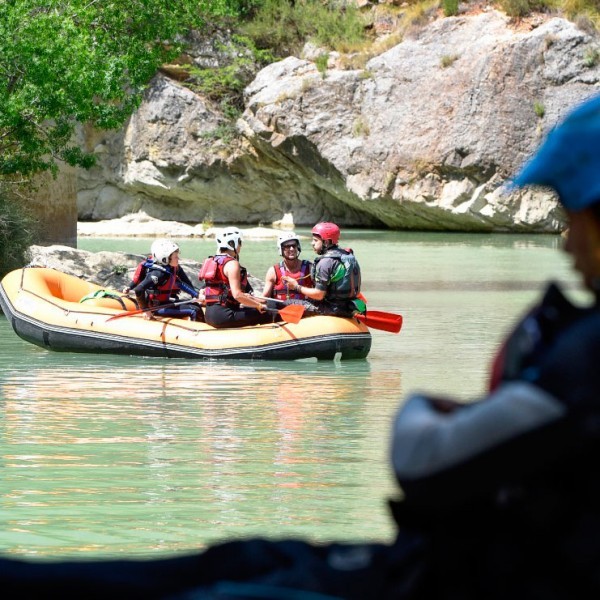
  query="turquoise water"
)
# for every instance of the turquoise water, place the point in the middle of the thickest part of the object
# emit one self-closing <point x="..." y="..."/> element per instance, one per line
<point x="117" y="456"/>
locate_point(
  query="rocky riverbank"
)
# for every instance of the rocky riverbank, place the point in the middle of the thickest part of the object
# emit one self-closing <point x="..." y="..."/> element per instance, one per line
<point x="142" y="225"/>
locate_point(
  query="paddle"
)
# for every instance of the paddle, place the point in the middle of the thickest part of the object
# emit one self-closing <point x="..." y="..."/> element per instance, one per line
<point x="377" y="319"/>
<point x="129" y="313"/>
<point x="292" y="313"/>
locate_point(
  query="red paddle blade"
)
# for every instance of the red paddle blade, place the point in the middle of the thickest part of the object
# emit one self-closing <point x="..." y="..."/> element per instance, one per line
<point x="292" y="313"/>
<point x="385" y="321"/>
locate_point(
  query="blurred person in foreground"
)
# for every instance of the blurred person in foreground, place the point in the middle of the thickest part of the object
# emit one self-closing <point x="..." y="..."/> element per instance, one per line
<point x="501" y="496"/>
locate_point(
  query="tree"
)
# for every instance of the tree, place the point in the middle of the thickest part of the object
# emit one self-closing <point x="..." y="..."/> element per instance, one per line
<point x="64" y="62"/>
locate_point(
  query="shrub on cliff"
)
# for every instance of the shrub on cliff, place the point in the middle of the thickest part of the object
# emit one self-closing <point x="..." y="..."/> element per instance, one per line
<point x="284" y="26"/>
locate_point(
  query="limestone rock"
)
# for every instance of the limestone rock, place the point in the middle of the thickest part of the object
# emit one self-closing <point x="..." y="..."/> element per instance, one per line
<point x="109" y="269"/>
<point x="138" y="225"/>
<point x="424" y="136"/>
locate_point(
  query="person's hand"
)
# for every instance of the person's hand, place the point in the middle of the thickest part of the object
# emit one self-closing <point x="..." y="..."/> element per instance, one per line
<point x="149" y="316"/>
<point x="126" y="290"/>
<point x="201" y="297"/>
<point x="290" y="282"/>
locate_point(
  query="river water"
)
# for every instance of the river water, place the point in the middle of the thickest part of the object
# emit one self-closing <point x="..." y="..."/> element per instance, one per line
<point x="116" y="456"/>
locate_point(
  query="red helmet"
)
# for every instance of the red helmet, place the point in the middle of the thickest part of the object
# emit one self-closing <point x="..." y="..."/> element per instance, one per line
<point x="327" y="232"/>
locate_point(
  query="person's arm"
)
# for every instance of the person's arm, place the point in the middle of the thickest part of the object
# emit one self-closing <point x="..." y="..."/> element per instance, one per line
<point x="233" y="274"/>
<point x="312" y="293"/>
<point x="449" y="460"/>
<point x="187" y="286"/>
<point x="153" y="278"/>
<point x="270" y="281"/>
<point x="319" y="291"/>
<point x="428" y="439"/>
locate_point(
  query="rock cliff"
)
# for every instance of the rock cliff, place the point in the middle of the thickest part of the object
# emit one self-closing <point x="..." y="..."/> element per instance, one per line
<point x="422" y="136"/>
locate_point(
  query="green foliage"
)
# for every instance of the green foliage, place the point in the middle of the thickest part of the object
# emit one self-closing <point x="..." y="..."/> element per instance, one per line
<point x="226" y="132"/>
<point x="17" y="233"/>
<point x="285" y="26"/>
<point x="591" y="57"/>
<point x="225" y="85"/>
<point x="516" y="8"/>
<point x="539" y="109"/>
<point x="448" y="60"/>
<point x="120" y="270"/>
<point x="360" y="127"/>
<point x="321" y="63"/>
<point x="450" y="7"/>
<point x="233" y="8"/>
<point x="69" y="61"/>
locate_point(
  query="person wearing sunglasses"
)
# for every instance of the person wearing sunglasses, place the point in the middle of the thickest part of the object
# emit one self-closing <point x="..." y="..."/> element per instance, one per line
<point x="292" y="266"/>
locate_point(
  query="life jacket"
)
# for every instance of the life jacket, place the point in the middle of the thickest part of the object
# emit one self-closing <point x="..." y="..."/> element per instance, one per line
<point x="217" y="290"/>
<point x="142" y="270"/>
<point x="345" y="281"/>
<point x="281" y="290"/>
<point x="160" y="294"/>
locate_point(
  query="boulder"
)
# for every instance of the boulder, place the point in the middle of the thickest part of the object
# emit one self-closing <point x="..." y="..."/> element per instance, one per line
<point x="108" y="269"/>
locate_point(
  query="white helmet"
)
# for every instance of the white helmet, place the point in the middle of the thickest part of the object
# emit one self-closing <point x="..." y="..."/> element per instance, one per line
<point x="287" y="237"/>
<point x="162" y="250"/>
<point x="229" y="238"/>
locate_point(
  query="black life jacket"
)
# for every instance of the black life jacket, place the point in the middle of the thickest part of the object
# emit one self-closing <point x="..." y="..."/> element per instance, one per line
<point x="345" y="281"/>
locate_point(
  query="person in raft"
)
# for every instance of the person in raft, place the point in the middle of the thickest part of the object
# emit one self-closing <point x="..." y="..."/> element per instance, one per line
<point x="228" y="293"/>
<point x="159" y="280"/>
<point x="288" y="246"/>
<point x="335" y="273"/>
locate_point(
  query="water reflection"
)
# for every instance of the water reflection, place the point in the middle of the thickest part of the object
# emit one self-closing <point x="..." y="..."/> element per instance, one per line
<point x="182" y="453"/>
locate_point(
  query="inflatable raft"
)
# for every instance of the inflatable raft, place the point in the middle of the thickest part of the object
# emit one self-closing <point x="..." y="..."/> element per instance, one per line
<point x="44" y="307"/>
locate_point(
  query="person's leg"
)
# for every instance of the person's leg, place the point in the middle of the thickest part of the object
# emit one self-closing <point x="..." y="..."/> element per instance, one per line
<point x="223" y="317"/>
<point x="250" y="316"/>
<point x="217" y="315"/>
<point x="193" y="311"/>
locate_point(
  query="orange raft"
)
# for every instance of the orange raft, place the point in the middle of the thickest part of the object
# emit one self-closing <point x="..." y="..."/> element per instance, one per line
<point x="43" y="306"/>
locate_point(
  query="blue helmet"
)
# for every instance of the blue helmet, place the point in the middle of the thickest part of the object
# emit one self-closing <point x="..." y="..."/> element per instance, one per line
<point x="569" y="159"/>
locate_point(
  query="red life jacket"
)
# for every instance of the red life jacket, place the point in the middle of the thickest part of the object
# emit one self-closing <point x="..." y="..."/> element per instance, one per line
<point x="142" y="270"/>
<point x="281" y="291"/>
<point x="160" y="294"/>
<point x="217" y="290"/>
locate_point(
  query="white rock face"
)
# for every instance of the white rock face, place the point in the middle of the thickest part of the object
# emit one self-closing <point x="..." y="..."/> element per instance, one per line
<point x="423" y="137"/>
